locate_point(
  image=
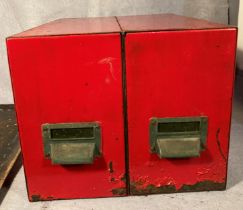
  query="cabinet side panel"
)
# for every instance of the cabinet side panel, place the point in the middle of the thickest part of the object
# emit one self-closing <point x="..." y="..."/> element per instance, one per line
<point x="69" y="79"/>
<point x="179" y="74"/>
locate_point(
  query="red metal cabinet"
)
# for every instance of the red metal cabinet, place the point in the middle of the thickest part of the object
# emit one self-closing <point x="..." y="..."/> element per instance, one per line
<point x="123" y="105"/>
<point x="62" y="74"/>
<point x="178" y="67"/>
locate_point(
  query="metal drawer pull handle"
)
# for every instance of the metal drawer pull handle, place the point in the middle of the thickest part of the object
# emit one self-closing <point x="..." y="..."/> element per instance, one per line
<point x="181" y="137"/>
<point x="71" y="143"/>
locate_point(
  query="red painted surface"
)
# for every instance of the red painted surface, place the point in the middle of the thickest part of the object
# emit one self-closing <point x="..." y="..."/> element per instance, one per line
<point x="61" y="79"/>
<point x="176" y="74"/>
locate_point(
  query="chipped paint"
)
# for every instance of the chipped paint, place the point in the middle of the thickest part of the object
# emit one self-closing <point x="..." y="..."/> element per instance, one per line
<point x="199" y="186"/>
<point x="151" y="189"/>
<point x="112" y="179"/>
<point x="122" y="189"/>
<point x="111" y="170"/>
<point x="203" y="186"/>
<point x="36" y="198"/>
<point x="119" y="191"/>
<point x="122" y="177"/>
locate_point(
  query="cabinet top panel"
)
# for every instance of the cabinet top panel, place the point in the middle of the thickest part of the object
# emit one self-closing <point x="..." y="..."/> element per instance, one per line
<point x="94" y="25"/>
<point x="161" y="22"/>
<point x="69" y="26"/>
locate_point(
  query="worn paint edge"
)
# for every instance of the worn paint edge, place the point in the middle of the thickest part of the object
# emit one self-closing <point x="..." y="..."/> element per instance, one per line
<point x="38" y="197"/>
<point x="207" y="185"/>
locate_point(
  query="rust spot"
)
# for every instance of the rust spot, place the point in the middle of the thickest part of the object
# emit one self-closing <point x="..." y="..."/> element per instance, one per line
<point x="119" y="191"/>
<point x="203" y="186"/>
<point x="49" y="198"/>
<point x="219" y="145"/>
<point x="123" y="178"/>
<point x="111" y="167"/>
<point x="150" y="189"/>
<point x="199" y="186"/>
<point x="36" y="198"/>
<point x="112" y="179"/>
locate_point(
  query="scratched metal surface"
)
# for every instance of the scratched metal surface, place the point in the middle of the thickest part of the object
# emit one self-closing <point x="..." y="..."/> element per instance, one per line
<point x="9" y="145"/>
